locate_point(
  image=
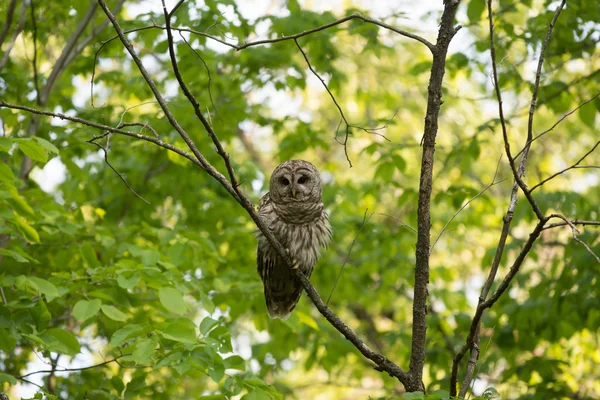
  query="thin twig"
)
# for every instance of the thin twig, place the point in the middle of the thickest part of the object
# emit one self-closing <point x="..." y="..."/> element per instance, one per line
<point x="402" y="223"/>
<point x="342" y="115"/>
<point x="364" y="222"/>
<point x="575" y="232"/>
<point x="36" y="79"/>
<point x="429" y="45"/>
<point x="467" y="203"/>
<point x="208" y="85"/>
<point x="115" y="360"/>
<point x="104" y="149"/>
<point x="574" y="166"/>
<point x="573" y="222"/>
<point x="558" y="122"/>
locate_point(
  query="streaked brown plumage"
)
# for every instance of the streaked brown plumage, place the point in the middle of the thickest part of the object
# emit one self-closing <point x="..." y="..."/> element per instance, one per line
<point x="295" y="214"/>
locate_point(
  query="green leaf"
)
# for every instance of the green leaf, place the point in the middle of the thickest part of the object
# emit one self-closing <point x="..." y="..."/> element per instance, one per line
<point x="587" y="115"/>
<point x="128" y="283"/>
<point x="414" y="395"/>
<point x="5" y="144"/>
<point x="7" y="341"/>
<point x="172" y="300"/>
<point x="180" y="330"/>
<point x="7" y="378"/>
<point x="86" y="309"/>
<point x="475" y="10"/>
<point x="6" y="174"/>
<point x="143" y="350"/>
<point x="126" y="332"/>
<point x="61" y="341"/>
<point x="46" y="144"/>
<point x="14" y="255"/>
<point x="44" y="287"/>
<point x="89" y="255"/>
<point x="307" y="320"/>
<point x="113" y="313"/>
<point x="207" y="324"/>
<point x="33" y="150"/>
<point x="235" y="362"/>
<point x="28" y="231"/>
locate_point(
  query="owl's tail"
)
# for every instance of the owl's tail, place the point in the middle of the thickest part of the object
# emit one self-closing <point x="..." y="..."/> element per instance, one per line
<point x="282" y="292"/>
<point x="281" y="304"/>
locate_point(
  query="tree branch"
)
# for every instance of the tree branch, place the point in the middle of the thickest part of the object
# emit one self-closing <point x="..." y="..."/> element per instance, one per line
<point x="47" y="371"/>
<point x="558" y="122"/>
<point x="8" y="21"/>
<point x="15" y="34"/>
<point x="434" y="102"/>
<point x="388" y="366"/>
<point x="574" y="166"/>
<point x="472" y="338"/>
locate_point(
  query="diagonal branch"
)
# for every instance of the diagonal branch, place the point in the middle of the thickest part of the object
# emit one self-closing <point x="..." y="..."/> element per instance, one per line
<point x="232" y="187"/>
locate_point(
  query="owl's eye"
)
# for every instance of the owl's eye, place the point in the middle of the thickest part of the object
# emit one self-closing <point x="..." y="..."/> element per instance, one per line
<point x="302" y="180"/>
<point x="284" y="181"/>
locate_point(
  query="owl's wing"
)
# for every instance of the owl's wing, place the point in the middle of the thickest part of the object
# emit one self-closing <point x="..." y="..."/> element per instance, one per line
<point x="264" y="200"/>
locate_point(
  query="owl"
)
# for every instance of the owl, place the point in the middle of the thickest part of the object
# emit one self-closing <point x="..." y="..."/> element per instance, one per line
<point x="293" y="211"/>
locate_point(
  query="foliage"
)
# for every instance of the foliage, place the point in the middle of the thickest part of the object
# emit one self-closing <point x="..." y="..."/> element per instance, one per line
<point x="164" y="298"/>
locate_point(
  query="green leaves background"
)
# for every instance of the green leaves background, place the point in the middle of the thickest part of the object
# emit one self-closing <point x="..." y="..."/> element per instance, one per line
<point x="170" y="288"/>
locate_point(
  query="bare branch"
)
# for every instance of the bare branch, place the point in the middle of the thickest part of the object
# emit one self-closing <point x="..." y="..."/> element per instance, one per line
<point x="102" y="127"/>
<point x="434" y="102"/>
<point x="402" y="223"/>
<point x="575" y="232"/>
<point x="429" y="45"/>
<point x="558" y="122"/>
<point x="36" y="79"/>
<point x="466" y="204"/>
<point x="507" y="220"/>
<point x="83" y="43"/>
<point x="573" y="222"/>
<point x="61" y="63"/>
<point x="105" y="150"/>
<point x="115" y="360"/>
<point x="473" y="358"/>
<point x="574" y="166"/>
<point x="8" y="21"/>
<point x="15" y="34"/>
<point x="364" y="222"/>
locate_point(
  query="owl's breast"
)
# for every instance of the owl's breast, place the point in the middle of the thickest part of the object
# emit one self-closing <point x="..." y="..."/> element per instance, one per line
<point x="304" y="240"/>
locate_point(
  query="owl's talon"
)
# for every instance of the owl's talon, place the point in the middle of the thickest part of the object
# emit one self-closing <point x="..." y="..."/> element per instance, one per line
<point x="295" y="264"/>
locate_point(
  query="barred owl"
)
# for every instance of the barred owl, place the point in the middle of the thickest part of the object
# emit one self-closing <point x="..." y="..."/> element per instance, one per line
<point x="295" y="214"/>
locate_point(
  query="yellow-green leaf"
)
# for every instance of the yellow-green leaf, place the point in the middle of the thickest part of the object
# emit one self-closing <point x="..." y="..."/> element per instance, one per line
<point x="113" y="313"/>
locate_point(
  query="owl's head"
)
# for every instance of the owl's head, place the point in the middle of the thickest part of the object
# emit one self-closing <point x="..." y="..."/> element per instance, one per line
<point x="295" y="181"/>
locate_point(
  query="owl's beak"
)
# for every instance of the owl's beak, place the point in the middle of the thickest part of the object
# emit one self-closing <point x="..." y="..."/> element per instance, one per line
<point x="294" y="192"/>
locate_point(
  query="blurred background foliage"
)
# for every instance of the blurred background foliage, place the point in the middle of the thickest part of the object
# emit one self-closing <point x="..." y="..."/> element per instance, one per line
<point x="91" y="273"/>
